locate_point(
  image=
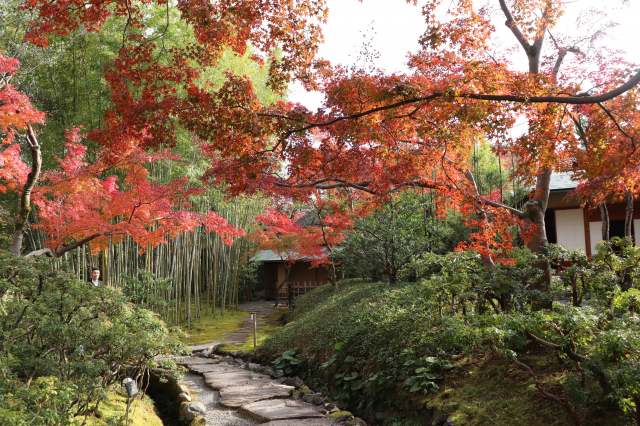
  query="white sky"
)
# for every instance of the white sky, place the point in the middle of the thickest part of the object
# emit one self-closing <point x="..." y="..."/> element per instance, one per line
<point x="393" y="28"/>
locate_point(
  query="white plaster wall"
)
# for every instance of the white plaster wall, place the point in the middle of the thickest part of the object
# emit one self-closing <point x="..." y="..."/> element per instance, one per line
<point x="570" y="229"/>
<point x="595" y="234"/>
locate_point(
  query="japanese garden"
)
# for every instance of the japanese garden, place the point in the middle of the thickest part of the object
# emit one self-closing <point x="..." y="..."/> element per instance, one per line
<point x="319" y="212"/>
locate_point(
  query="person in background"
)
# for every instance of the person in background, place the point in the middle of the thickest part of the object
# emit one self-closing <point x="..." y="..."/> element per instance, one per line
<point x="94" y="277"/>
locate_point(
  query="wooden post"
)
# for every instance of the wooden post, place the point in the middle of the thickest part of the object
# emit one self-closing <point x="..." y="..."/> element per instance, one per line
<point x="254" y="319"/>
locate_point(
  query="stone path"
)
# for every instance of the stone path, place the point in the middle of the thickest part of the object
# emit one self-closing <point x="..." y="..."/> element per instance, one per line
<point x="262" y="309"/>
<point x="229" y="392"/>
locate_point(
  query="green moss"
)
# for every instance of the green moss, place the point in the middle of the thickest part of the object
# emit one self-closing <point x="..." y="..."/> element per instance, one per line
<point x="112" y="410"/>
<point x="496" y="392"/>
<point x="340" y="414"/>
<point x="213" y="327"/>
<point x="272" y="325"/>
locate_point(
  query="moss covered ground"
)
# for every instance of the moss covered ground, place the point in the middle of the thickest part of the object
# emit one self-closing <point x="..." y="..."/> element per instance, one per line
<point x="112" y="411"/>
<point x="212" y="327"/>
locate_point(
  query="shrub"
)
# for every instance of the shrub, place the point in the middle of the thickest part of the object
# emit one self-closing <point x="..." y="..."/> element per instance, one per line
<point x="64" y="342"/>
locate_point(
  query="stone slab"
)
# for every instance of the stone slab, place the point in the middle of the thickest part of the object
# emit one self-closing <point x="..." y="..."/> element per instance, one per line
<point x="192" y="360"/>
<point x="203" y="347"/>
<point x="214" y="368"/>
<point x="301" y="422"/>
<point x="280" y="409"/>
<point x="236" y="396"/>
<point x="219" y="381"/>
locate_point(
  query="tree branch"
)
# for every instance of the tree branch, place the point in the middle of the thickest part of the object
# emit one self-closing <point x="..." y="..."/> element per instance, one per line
<point x="25" y="197"/>
<point x="579" y="99"/>
<point x="65" y="248"/>
<point x="68" y="247"/>
<point x="499" y="205"/>
<point x="511" y="24"/>
<point x="617" y="124"/>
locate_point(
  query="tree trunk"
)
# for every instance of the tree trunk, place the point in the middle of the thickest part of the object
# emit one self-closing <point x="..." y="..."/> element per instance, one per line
<point x="604" y="216"/>
<point x="535" y="210"/>
<point x="628" y="215"/>
<point x="25" y="199"/>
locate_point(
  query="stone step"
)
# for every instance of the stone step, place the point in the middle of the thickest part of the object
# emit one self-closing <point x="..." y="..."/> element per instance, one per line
<point x="236" y="396"/>
<point x="236" y="378"/>
<point x="300" y="422"/>
<point x="280" y="409"/>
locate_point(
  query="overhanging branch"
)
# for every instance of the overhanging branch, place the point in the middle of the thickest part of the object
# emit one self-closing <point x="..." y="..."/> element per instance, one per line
<point x="579" y="99"/>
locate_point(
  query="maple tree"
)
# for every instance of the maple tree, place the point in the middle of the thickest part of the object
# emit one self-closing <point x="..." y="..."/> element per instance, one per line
<point x="376" y="133"/>
<point x="79" y="203"/>
<point x="150" y="89"/>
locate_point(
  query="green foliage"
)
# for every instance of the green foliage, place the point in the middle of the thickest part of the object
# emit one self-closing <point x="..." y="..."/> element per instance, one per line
<point x="619" y="259"/>
<point x="288" y="362"/>
<point x="380" y="348"/>
<point x="627" y="301"/>
<point x="112" y="411"/>
<point x="64" y="342"/>
<point x="381" y="244"/>
<point x="147" y="291"/>
<point x="248" y="280"/>
<point x="355" y="340"/>
<point x="428" y="372"/>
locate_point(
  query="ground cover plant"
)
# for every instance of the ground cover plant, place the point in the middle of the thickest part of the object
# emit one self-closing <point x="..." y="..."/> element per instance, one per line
<point x="463" y="341"/>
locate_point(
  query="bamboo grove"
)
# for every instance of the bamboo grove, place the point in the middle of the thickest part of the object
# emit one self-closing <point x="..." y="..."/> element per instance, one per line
<point x="180" y="280"/>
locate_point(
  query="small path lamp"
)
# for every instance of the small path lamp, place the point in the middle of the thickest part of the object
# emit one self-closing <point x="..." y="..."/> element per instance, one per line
<point x="131" y="387"/>
<point x="254" y="321"/>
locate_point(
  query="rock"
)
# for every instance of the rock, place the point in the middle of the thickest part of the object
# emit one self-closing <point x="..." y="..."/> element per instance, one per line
<point x="329" y="406"/>
<point x="184" y="397"/>
<point x="202" y="349"/>
<point x="214" y="368"/>
<point x="241" y="377"/>
<point x="293" y="381"/>
<point x="254" y="367"/>
<point x="236" y="396"/>
<point x="280" y="409"/>
<point x="197" y="408"/>
<point x="212" y="350"/>
<point x="191" y="360"/>
<point x="267" y="370"/>
<point x="184" y="413"/>
<point x="277" y="374"/>
<point x="300" y="422"/>
<point x="313" y="398"/>
<point x="357" y="421"/>
<point x="182" y="388"/>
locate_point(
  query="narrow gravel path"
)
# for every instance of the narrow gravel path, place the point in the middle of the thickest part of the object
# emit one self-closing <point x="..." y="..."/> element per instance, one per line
<point x="262" y="309"/>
